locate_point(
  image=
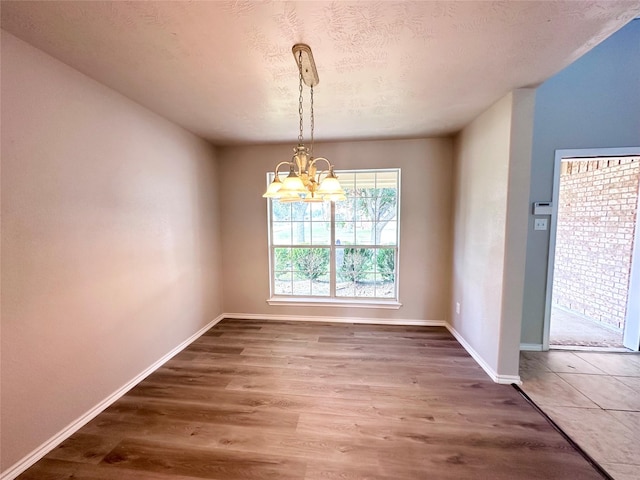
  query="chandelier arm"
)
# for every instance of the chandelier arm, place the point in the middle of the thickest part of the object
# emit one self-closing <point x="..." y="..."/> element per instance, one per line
<point x="276" y="173"/>
<point x="320" y="173"/>
<point x="313" y="162"/>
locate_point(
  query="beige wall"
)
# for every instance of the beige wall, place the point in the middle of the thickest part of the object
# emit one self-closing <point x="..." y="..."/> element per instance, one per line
<point x="492" y="161"/>
<point x="425" y="234"/>
<point x="109" y="243"/>
<point x="516" y="229"/>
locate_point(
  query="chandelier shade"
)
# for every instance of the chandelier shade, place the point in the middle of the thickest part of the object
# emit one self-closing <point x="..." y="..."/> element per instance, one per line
<point x="273" y="189"/>
<point x="330" y="185"/>
<point x="305" y="183"/>
<point x="293" y="183"/>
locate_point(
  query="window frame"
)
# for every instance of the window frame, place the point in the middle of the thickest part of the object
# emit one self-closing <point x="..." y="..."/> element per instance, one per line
<point x="331" y="299"/>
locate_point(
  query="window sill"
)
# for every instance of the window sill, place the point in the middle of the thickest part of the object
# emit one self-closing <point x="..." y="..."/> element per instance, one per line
<point x="333" y="302"/>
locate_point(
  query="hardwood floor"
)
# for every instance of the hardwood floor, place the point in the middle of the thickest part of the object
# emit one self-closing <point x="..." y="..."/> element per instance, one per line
<point x="287" y="400"/>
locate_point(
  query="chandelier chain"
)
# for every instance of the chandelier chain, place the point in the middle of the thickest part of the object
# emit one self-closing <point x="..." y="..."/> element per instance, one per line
<point x="305" y="182"/>
<point x="300" y="135"/>
<point x="312" y="122"/>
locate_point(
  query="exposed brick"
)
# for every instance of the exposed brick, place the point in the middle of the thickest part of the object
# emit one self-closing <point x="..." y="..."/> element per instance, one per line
<point x="596" y="224"/>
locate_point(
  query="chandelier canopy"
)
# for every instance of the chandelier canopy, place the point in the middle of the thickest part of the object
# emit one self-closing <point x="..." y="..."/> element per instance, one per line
<point x="305" y="183"/>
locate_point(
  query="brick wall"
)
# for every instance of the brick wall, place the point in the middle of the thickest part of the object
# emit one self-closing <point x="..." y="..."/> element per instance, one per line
<point x="596" y="223"/>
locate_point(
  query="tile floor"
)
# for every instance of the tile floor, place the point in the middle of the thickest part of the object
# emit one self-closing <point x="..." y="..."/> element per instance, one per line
<point x="595" y="398"/>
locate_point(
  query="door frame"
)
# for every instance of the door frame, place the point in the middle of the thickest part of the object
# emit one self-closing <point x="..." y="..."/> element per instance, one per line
<point x="553" y="229"/>
<point x="631" y="334"/>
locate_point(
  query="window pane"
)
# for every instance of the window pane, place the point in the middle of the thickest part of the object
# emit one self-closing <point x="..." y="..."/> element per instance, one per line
<point x="389" y="235"/>
<point x="282" y="233"/>
<point x="320" y="286"/>
<point x="282" y="259"/>
<point x="387" y="179"/>
<point x="283" y="285"/>
<point x="345" y="210"/>
<point x="283" y="276"/>
<point x="281" y="211"/>
<point x="365" y="235"/>
<point x="347" y="182"/>
<point x="345" y="233"/>
<point x="384" y="288"/>
<point x="300" y="211"/>
<point x="366" y="287"/>
<point x="345" y="289"/>
<point x="365" y="207"/>
<point x="386" y="264"/>
<point x="302" y="287"/>
<point x="352" y="264"/>
<point x="301" y="233"/>
<point x="321" y="211"/>
<point x="310" y="263"/>
<point x="365" y="179"/>
<point x="384" y="204"/>
<point x="321" y="233"/>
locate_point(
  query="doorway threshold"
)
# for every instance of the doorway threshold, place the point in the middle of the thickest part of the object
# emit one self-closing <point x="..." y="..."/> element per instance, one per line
<point x="590" y="348"/>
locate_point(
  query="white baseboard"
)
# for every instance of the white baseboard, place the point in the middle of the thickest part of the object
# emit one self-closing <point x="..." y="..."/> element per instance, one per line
<point x="507" y="379"/>
<point x="27" y="461"/>
<point x="329" y="319"/>
<point x="503" y="379"/>
<point x="531" y="347"/>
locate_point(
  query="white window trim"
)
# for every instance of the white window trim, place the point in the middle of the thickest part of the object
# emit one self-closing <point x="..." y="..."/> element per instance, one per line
<point x="332" y="301"/>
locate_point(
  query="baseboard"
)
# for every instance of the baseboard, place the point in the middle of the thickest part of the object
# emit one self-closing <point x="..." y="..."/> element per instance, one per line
<point x="495" y="376"/>
<point x="74" y="426"/>
<point x="329" y="319"/>
<point x="531" y="347"/>
<point x="508" y="379"/>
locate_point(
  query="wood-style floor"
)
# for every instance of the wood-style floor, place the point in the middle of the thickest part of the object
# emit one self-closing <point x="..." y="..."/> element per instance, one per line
<point x="287" y="400"/>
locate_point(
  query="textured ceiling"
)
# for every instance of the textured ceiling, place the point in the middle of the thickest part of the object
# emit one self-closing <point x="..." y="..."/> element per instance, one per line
<point x="224" y="70"/>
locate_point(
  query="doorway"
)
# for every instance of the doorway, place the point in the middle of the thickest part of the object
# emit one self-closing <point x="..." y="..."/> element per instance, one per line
<point x="592" y="288"/>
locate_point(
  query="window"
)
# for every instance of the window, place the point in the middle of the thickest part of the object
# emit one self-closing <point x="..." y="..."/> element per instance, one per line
<point x="345" y="250"/>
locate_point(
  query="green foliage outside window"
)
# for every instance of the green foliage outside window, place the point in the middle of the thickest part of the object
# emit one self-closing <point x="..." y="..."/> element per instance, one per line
<point x="356" y="262"/>
<point x="310" y="263"/>
<point x="283" y="258"/>
<point x="386" y="261"/>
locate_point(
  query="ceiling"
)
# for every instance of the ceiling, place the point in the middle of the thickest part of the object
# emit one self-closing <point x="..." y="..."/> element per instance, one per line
<point x="224" y="69"/>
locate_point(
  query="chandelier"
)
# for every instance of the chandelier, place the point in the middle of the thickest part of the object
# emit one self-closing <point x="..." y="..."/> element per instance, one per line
<point x="305" y="183"/>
